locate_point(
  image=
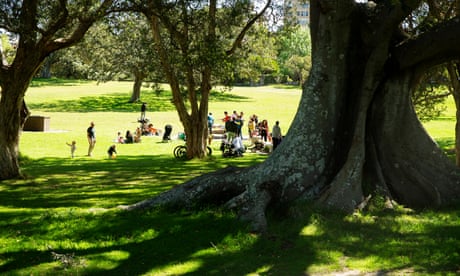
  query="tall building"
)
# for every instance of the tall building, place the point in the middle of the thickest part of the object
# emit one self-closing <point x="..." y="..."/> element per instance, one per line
<point x="297" y="12"/>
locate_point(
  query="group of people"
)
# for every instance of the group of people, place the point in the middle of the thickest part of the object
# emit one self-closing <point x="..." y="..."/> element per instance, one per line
<point x="261" y="130"/>
<point x="129" y="137"/>
<point x="91" y="136"/>
<point x="233" y="128"/>
<point x="233" y="124"/>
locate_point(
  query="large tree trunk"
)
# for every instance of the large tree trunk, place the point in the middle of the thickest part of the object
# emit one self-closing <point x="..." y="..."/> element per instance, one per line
<point x="414" y="169"/>
<point x="355" y="132"/>
<point x="13" y="114"/>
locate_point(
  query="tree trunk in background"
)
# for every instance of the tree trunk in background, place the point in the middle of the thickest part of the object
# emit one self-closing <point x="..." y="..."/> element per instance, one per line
<point x="138" y="79"/>
<point x="454" y="75"/>
<point x="46" y="68"/>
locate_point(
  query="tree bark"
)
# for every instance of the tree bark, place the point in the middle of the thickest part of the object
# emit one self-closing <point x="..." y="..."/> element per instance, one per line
<point x="13" y="114"/>
<point x="355" y="132"/>
<point x="415" y="170"/>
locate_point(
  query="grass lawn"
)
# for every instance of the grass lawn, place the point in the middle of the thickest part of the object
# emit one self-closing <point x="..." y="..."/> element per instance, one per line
<point x="62" y="218"/>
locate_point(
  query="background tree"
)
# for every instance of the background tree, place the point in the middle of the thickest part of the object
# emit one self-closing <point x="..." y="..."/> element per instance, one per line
<point x="256" y="59"/>
<point x="297" y="68"/>
<point x="194" y="41"/>
<point x="122" y="46"/>
<point x="42" y="27"/>
<point x="430" y="95"/>
<point x="6" y="48"/>
<point x="294" y="53"/>
<point x="355" y="133"/>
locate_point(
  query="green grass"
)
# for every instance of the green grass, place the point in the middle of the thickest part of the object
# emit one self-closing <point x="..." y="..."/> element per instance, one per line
<point x="61" y="219"/>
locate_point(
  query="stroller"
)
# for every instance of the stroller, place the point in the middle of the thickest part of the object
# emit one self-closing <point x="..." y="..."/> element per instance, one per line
<point x="167" y="134"/>
<point x="233" y="149"/>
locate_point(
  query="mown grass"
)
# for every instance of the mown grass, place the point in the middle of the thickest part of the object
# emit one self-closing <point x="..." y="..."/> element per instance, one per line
<point x="62" y="218"/>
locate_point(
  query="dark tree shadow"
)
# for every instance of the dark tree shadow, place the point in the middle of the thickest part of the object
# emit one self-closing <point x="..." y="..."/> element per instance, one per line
<point x="209" y="240"/>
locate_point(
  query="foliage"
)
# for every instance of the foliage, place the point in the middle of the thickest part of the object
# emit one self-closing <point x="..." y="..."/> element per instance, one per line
<point x="41" y="28"/>
<point x="6" y="48"/>
<point x="298" y="68"/>
<point x="294" y="53"/>
<point x="257" y="57"/>
<point x="428" y="98"/>
<point x="124" y="43"/>
<point x="66" y="64"/>
<point x="121" y="44"/>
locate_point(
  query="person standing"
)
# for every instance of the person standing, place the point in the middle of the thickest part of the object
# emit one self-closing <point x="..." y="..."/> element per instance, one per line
<point x="276" y="135"/>
<point x="73" y="148"/>
<point x="231" y="128"/>
<point x="210" y="125"/>
<point x="263" y="130"/>
<point x="251" y="127"/>
<point x="91" y="135"/>
<point x="143" y="110"/>
<point x="226" y="117"/>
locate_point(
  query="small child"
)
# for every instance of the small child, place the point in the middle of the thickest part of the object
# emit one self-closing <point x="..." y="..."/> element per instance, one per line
<point x="112" y="152"/>
<point x="120" y="138"/>
<point x="73" y="147"/>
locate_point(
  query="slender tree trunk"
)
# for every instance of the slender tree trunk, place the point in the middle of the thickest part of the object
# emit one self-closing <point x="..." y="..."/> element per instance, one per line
<point x="454" y="75"/>
<point x="138" y="79"/>
<point x="196" y="138"/>
<point x="46" y="68"/>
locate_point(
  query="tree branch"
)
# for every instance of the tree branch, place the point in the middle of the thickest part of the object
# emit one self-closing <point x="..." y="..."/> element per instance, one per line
<point x="249" y="24"/>
<point x="420" y="51"/>
<point x="84" y="24"/>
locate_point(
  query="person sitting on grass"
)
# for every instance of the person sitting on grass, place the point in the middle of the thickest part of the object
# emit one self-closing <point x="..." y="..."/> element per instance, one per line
<point x="112" y="152"/>
<point x="138" y="135"/>
<point x="129" y="139"/>
<point x="120" y="138"/>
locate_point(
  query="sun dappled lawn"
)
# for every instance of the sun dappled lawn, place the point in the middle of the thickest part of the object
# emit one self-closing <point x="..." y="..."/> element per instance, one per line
<point x="62" y="218"/>
<point x="443" y="127"/>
